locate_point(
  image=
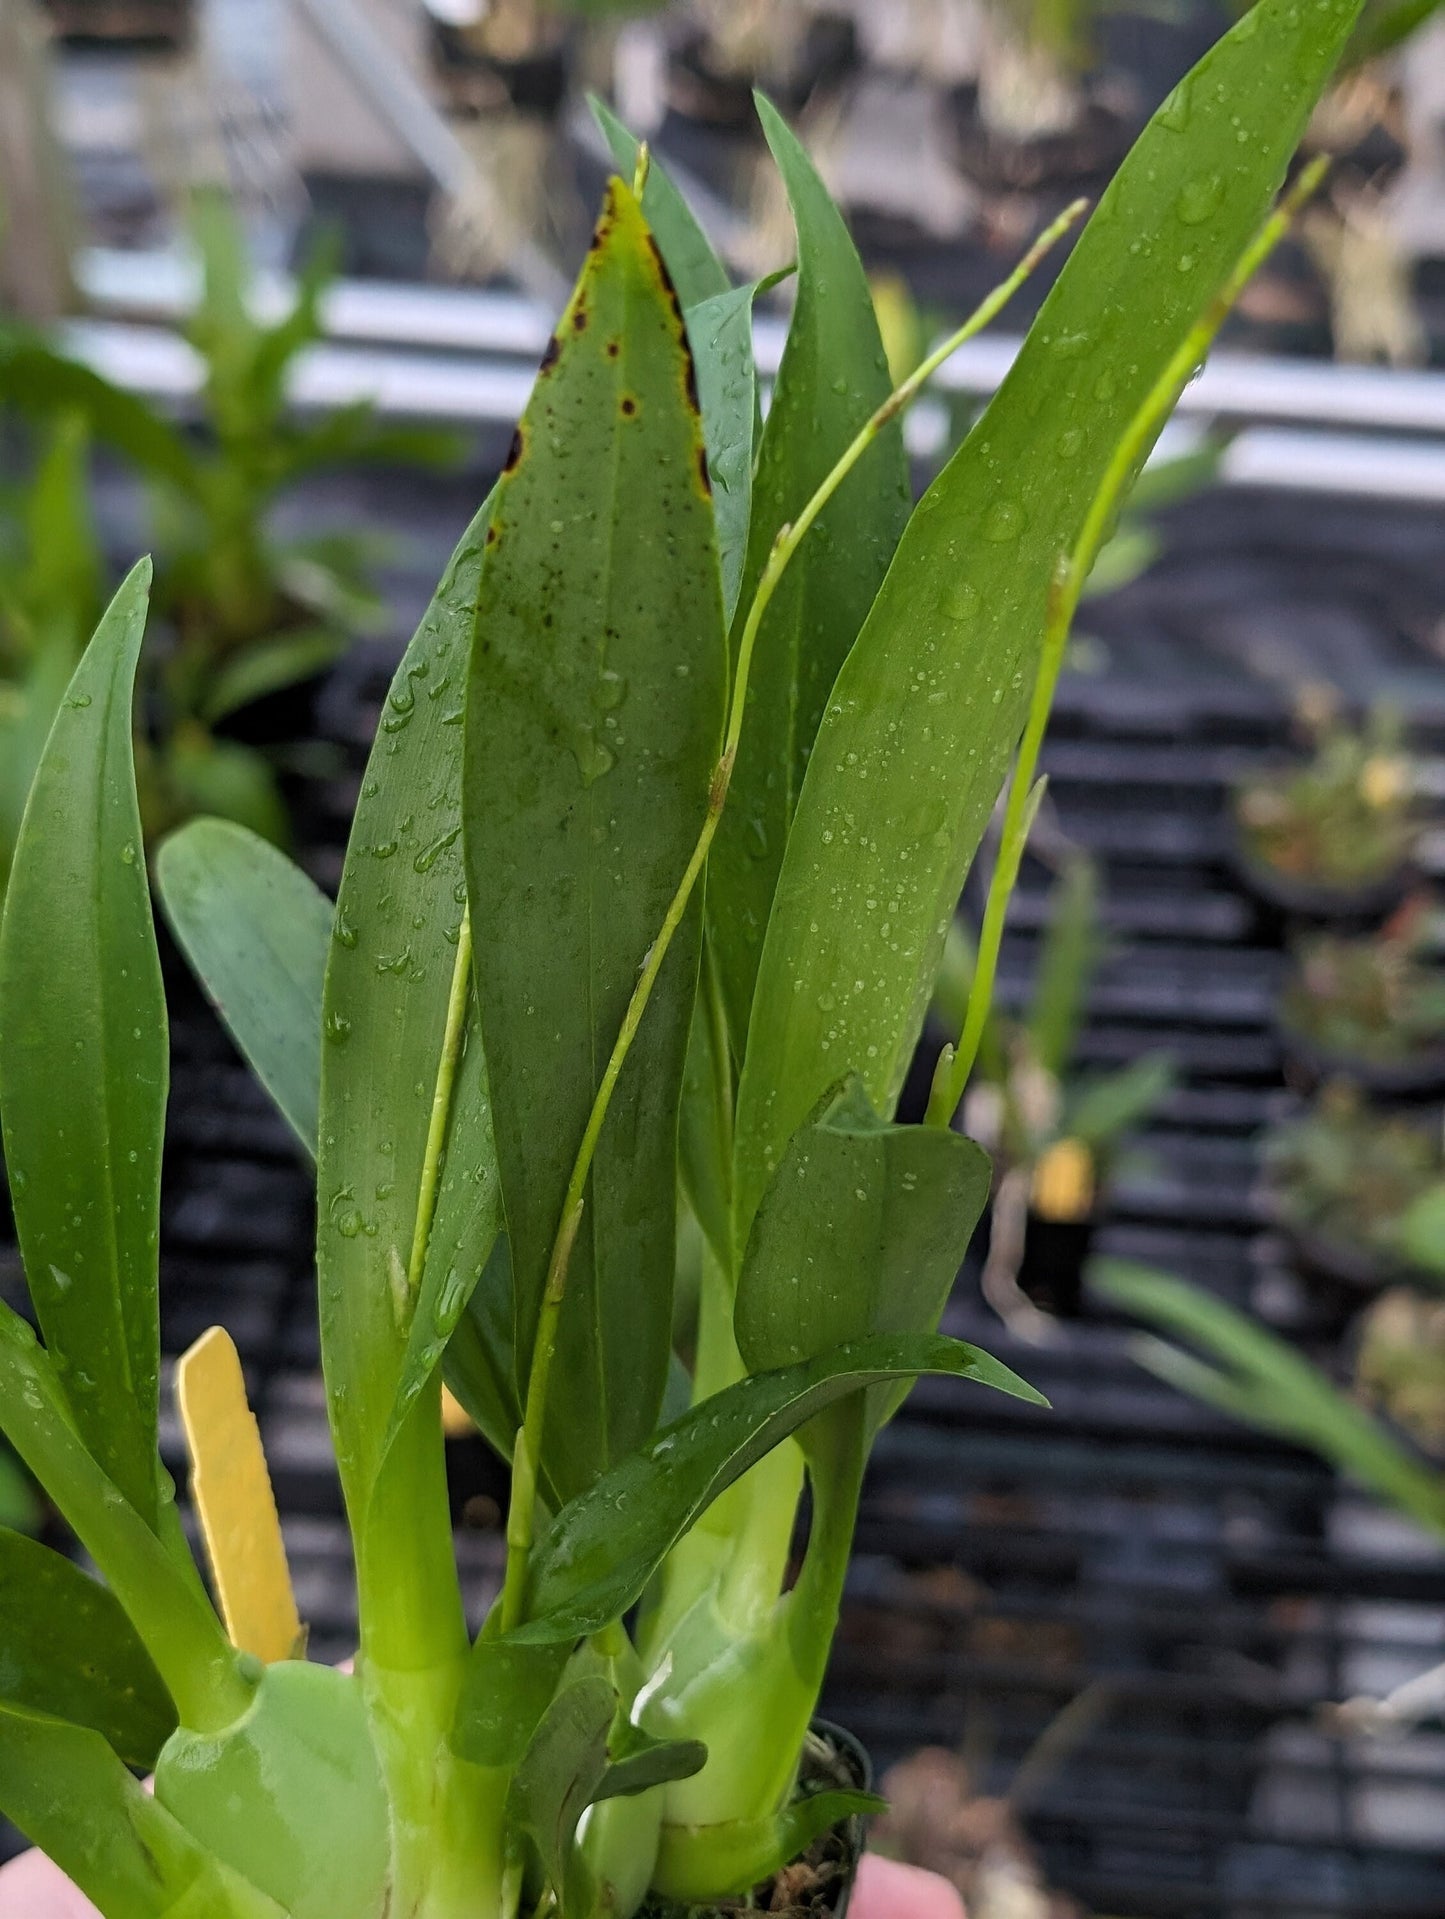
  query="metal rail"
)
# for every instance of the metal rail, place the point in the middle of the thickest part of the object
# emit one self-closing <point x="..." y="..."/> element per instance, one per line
<point x="467" y="355"/>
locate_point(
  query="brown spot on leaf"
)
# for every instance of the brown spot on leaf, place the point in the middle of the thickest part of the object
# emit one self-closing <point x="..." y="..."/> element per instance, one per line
<point x="515" y="451"/>
<point x="552" y="355"/>
<point x="580" y="317"/>
<point x="702" y="472"/>
<point x="629" y="406"/>
<point x="689" y="379"/>
<point x="491" y="538"/>
<point x="614" y="349"/>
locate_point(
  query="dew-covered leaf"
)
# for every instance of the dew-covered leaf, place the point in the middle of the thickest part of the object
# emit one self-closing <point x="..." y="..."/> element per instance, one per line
<point x="388" y="993"/>
<point x="833" y="376"/>
<point x="84" y="1059"/>
<point x="602" y="1548"/>
<point x="594" y="720"/>
<point x="925" y="714"/>
<point x="862" y="1230"/>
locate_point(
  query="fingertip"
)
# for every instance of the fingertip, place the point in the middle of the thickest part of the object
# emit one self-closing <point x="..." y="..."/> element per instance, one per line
<point x="889" y="1890"/>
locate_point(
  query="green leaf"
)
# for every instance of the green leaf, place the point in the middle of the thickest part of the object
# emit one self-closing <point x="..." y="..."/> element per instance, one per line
<point x="388" y="991"/>
<point x="257" y="933"/>
<point x="1102" y="1106"/>
<point x="38" y="380"/>
<point x="558" y="1779"/>
<point x="1263" y="1380"/>
<point x="270" y="667"/>
<point x="925" y="714"/>
<point x="833" y="376"/>
<point x="479" y="1365"/>
<point x="163" y="1600"/>
<point x="1069" y="957"/>
<point x="71" y="1652"/>
<point x="291" y="1795"/>
<point x="594" y="721"/>
<point x="704" y="1130"/>
<point x="720" y="333"/>
<point x="505" y="1696"/>
<point x="83" y="1059"/>
<point x="636" y="1761"/>
<point x="1420" y="1232"/>
<point x="604" y="1546"/>
<point x="696" y="271"/>
<point x="20" y="1506"/>
<point x="862" y="1231"/>
<point x="68" y="1793"/>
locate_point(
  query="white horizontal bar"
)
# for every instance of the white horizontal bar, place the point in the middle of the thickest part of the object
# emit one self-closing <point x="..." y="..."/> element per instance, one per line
<point x="476" y="391"/>
<point x="1233" y="386"/>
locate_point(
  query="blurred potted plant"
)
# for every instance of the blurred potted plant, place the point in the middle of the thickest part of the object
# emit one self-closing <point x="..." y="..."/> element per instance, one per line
<point x="246" y="611"/>
<point x="1400" y="1364"/>
<point x="1054" y="1131"/>
<point x="1331" y="837"/>
<point x="1368" y="1008"/>
<point x="1343" y="1180"/>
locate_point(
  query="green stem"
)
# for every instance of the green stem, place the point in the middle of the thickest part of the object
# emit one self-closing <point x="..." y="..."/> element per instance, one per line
<point x="441" y="1105"/>
<point x="955" y="1064"/>
<point x="789" y="539"/>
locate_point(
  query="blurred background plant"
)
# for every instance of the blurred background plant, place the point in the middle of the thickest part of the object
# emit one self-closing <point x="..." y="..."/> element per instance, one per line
<point x="247" y="610"/>
<point x="1054" y="1129"/>
<point x="1349" y="1183"/>
<point x="1340" y="819"/>
<point x="1374" y="1000"/>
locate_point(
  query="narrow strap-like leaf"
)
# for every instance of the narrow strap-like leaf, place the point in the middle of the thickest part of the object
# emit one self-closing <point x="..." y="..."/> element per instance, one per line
<point x="83" y="1059"/>
<point x="594" y="722"/>
<point x="390" y="994"/>
<point x="918" y="732"/>
<point x="71" y="1652"/>
<point x="833" y="375"/>
<point x="257" y="933"/>
<point x="697" y="273"/>
<point x="604" y="1546"/>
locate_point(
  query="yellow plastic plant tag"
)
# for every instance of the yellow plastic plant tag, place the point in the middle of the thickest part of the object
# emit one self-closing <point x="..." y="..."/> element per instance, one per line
<point x="1063" y="1185"/>
<point x="456" y="1420"/>
<point x="231" y="1488"/>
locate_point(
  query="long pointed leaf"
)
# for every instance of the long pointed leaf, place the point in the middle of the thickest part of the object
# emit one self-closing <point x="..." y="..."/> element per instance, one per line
<point x="71" y="1652"/>
<point x="83" y="1059"/>
<point x="696" y="271"/>
<point x="1264" y="1380"/>
<point x="389" y="985"/>
<point x="834" y="374"/>
<point x="604" y="1546"/>
<point x="911" y="754"/>
<point x="594" y="719"/>
<point x="257" y="933"/>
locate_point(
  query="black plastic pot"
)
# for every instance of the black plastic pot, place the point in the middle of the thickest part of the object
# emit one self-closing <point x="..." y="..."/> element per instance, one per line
<point x="1051" y="1272"/>
<point x="1308" y="1066"/>
<point x="844" y="1763"/>
<point x="1285" y="898"/>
